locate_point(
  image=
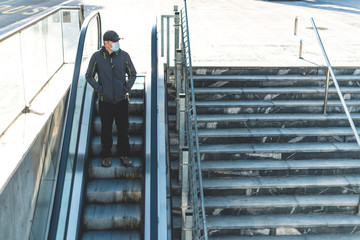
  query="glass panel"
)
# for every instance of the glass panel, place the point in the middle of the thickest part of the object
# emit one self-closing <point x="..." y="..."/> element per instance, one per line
<point x="71" y="28"/>
<point x="33" y="47"/>
<point x="11" y="82"/>
<point x="53" y="41"/>
<point x="91" y="43"/>
<point x="90" y="46"/>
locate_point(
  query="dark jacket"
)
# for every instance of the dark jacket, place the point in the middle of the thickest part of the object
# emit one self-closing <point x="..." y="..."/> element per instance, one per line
<point x="111" y="69"/>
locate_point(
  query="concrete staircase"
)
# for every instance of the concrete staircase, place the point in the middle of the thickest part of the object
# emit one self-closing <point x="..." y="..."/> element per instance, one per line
<point x="114" y="205"/>
<point x="274" y="166"/>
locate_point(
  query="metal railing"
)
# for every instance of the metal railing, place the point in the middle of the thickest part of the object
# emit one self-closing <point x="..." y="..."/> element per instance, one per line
<point x="199" y="229"/>
<point x="330" y="71"/>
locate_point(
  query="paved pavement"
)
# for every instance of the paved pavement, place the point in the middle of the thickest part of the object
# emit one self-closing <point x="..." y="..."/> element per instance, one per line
<point x="243" y="33"/>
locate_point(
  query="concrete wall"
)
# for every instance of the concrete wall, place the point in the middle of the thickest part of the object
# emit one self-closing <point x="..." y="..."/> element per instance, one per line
<point x="26" y="199"/>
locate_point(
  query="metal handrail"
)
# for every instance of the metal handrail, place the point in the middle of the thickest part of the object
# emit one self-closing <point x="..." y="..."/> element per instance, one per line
<point x="330" y="71"/>
<point x="192" y="123"/>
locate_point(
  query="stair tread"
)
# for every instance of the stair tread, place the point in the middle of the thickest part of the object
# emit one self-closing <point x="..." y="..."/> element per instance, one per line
<point x="279" y="147"/>
<point x="274" y="117"/>
<point x="247" y="165"/>
<point x="287" y="237"/>
<point x="271" y="103"/>
<point x="290" y="201"/>
<point x="258" y="132"/>
<point x="275" y="221"/>
<point x="271" y="77"/>
<point x="272" y="90"/>
<point x="281" y="182"/>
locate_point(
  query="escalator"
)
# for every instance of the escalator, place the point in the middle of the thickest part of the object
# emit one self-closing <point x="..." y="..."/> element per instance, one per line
<point x="93" y="202"/>
<point x="113" y="196"/>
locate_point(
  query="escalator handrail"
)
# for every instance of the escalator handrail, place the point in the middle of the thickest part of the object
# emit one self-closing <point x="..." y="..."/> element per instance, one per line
<point x="69" y="121"/>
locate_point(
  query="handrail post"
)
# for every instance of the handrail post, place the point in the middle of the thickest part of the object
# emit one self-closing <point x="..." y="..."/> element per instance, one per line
<point x="181" y="132"/>
<point x="296" y="25"/>
<point x="81" y="14"/>
<point x="326" y="90"/>
<point x="301" y="46"/>
<point x="177" y="26"/>
<point x="178" y="71"/>
<point x="184" y="190"/>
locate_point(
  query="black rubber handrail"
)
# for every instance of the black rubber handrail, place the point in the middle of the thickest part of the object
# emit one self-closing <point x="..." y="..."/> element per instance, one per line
<point x="68" y="123"/>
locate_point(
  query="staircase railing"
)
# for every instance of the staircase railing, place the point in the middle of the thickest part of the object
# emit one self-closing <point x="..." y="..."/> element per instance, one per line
<point x="330" y="71"/>
<point x="199" y="230"/>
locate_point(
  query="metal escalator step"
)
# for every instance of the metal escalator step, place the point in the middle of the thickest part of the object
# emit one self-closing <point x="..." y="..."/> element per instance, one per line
<point x="136" y="143"/>
<point x="135" y="125"/>
<point x="117" y="169"/>
<point x="106" y="235"/>
<point x="285" y="221"/>
<point x="136" y="106"/>
<point x="112" y="216"/>
<point x="113" y="191"/>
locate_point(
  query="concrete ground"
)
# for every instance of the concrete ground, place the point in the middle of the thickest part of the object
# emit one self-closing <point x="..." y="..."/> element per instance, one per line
<point x="243" y="33"/>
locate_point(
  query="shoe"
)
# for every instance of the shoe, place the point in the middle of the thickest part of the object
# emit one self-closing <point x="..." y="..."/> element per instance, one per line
<point x="106" y="162"/>
<point x="126" y="161"/>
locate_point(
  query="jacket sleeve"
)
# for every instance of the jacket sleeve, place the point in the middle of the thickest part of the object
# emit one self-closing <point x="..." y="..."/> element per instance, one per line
<point x="90" y="74"/>
<point x="130" y="70"/>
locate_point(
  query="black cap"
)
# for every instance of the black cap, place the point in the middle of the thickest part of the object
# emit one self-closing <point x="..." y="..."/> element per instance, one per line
<point x="111" y="36"/>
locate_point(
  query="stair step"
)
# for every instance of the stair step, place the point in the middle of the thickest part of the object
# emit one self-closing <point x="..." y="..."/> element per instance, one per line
<point x="112" y="216"/>
<point x="249" y="165"/>
<point x="279" y="78"/>
<point x="273" y="90"/>
<point x="136" y="143"/>
<point x="135" y="125"/>
<point x="282" y="221"/>
<point x="282" y="182"/>
<point x="274" y="117"/>
<point x="261" y="132"/>
<point x="242" y="202"/>
<point x="106" y="235"/>
<point x="279" y="148"/>
<point x="287" y="237"/>
<point x="117" y="169"/>
<point x="113" y="191"/>
<point x="271" y="103"/>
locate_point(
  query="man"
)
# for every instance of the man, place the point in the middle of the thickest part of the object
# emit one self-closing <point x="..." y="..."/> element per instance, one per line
<point x="110" y="63"/>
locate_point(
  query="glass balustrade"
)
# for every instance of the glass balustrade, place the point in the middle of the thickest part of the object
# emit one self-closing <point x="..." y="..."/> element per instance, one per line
<point x="31" y="56"/>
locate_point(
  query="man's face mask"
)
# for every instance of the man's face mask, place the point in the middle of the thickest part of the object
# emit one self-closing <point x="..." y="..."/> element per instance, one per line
<point x="115" y="46"/>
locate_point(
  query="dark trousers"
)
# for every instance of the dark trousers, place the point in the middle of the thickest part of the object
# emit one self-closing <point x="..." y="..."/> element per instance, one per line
<point x="119" y="112"/>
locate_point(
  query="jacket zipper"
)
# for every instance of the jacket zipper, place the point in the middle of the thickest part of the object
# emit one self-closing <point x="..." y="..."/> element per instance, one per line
<point x="113" y="78"/>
